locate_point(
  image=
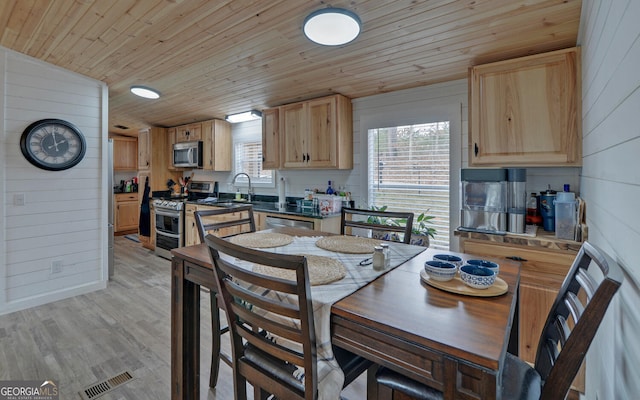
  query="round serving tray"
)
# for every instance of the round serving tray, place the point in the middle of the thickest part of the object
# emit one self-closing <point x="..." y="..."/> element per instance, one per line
<point x="457" y="286"/>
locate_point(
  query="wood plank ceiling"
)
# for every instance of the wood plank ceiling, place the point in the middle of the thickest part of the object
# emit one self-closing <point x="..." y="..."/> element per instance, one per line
<point x="211" y="58"/>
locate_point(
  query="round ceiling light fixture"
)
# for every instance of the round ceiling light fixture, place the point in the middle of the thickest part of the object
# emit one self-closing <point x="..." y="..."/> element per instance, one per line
<point x="332" y="26"/>
<point x="145" y="92"/>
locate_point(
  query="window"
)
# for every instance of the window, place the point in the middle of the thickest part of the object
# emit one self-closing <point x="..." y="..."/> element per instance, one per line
<point x="248" y="159"/>
<point x="409" y="168"/>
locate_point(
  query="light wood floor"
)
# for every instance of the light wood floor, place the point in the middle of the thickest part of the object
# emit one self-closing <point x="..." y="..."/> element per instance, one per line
<point x="80" y="341"/>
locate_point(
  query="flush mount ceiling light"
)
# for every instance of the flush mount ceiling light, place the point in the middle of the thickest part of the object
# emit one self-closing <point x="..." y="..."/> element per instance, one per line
<point x="145" y="92"/>
<point x="244" y="116"/>
<point x="332" y="26"/>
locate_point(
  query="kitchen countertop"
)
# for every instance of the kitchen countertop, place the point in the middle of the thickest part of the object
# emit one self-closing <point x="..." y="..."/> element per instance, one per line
<point x="542" y="239"/>
<point x="267" y="207"/>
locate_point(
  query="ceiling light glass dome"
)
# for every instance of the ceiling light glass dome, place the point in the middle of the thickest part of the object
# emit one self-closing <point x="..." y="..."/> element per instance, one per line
<point x="332" y="26"/>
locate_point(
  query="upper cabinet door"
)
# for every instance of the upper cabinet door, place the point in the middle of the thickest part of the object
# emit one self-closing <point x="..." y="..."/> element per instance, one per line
<point x="144" y="150"/>
<point x="321" y="144"/>
<point x="189" y="133"/>
<point x="270" y="139"/>
<point x="316" y="134"/>
<point x="125" y="153"/>
<point x="217" y="145"/>
<point x="526" y="111"/>
<point x="294" y="135"/>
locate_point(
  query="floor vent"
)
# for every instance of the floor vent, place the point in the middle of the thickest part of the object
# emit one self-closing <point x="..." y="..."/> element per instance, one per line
<point x="100" y="388"/>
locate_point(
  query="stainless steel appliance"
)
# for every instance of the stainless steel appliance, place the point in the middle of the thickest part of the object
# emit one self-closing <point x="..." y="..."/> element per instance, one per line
<point x="169" y="226"/>
<point x="517" y="207"/>
<point x="110" y="260"/>
<point x="484" y="200"/>
<point x="188" y="154"/>
<point x="276" y="222"/>
<point x="203" y="190"/>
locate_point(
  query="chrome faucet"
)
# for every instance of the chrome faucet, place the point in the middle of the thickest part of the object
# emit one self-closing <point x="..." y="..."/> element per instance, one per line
<point x="250" y="190"/>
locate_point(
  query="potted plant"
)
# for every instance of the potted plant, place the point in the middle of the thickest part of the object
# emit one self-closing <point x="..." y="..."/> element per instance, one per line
<point x="382" y="235"/>
<point x="422" y="230"/>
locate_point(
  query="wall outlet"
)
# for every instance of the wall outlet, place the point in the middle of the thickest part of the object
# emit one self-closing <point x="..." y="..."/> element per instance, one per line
<point x="19" y="199"/>
<point x="56" y="266"/>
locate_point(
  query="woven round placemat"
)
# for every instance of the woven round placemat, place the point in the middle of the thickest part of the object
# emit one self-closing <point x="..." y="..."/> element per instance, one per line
<point x="348" y="244"/>
<point x="261" y="240"/>
<point x="322" y="270"/>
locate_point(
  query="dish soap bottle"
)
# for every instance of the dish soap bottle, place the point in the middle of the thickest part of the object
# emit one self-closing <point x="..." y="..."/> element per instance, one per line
<point x="329" y="189"/>
<point x="238" y="195"/>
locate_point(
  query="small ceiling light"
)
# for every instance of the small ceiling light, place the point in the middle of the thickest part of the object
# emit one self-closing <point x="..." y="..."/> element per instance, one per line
<point x="244" y="116"/>
<point x="145" y="92"/>
<point x="332" y="26"/>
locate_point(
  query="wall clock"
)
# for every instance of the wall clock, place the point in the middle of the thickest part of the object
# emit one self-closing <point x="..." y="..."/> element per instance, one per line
<point x="53" y="144"/>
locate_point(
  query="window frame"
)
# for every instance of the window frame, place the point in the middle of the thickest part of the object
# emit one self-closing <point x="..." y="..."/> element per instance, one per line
<point x="402" y="115"/>
<point x="249" y="132"/>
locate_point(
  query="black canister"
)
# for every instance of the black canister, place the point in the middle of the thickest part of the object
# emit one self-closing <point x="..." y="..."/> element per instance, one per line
<point x="548" y="210"/>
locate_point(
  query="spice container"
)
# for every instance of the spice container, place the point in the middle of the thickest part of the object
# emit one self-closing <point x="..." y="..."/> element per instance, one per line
<point x="387" y="254"/>
<point x="378" y="258"/>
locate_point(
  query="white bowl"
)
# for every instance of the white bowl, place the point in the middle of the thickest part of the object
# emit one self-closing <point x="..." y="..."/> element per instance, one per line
<point x="440" y="270"/>
<point x="485" y="263"/>
<point x="477" y="277"/>
<point x="450" y="258"/>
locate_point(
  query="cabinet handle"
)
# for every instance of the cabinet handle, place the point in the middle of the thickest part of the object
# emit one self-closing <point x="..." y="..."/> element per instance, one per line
<point x="262" y="158"/>
<point x="516" y="258"/>
<point x="476" y="149"/>
<point x="308" y="158"/>
<point x="304" y="157"/>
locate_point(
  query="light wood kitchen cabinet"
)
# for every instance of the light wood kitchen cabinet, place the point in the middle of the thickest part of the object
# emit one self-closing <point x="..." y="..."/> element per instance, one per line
<point x="526" y="111"/>
<point x="270" y="139"/>
<point x="543" y="270"/>
<point x="317" y="134"/>
<point x="216" y="145"/>
<point x="144" y="149"/>
<point x="190" y="229"/>
<point x="189" y="133"/>
<point x="191" y="235"/>
<point x="126" y="212"/>
<point x="125" y="153"/>
<point x="158" y="159"/>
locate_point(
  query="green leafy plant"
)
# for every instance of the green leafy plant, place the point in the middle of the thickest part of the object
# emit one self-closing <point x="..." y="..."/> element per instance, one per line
<point x="374" y="219"/>
<point x="421" y="225"/>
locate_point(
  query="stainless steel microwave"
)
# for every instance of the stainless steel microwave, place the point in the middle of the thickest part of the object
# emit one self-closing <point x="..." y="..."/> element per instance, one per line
<point x="188" y="154"/>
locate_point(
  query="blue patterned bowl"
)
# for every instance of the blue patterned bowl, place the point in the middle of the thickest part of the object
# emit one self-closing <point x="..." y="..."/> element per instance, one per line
<point x="477" y="277"/>
<point x="450" y="258"/>
<point x="487" y="264"/>
<point x="440" y="270"/>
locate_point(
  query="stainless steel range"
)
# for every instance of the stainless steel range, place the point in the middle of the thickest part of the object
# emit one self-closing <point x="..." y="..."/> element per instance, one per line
<point x="169" y="226"/>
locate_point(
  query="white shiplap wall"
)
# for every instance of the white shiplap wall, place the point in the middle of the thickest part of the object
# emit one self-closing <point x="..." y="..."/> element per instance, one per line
<point x="65" y="214"/>
<point x="610" y="40"/>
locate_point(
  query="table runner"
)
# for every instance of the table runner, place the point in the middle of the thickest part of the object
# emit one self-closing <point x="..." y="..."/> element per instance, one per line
<point x="330" y="376"/>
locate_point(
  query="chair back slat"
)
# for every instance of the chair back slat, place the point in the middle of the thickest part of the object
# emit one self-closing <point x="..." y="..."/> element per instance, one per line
<point x="400" y="222"/>
<point x="561" y="350"/>
<point x="256" y="299"/>
<point x="211" y="221"/>
<point x="267" y="324"/>
<point x="270" y="318"/>
<point x="267" y="346"/>
<point x="587" y="283"/>
<point x="576" y="308"/>
<point x="562" y="329"/>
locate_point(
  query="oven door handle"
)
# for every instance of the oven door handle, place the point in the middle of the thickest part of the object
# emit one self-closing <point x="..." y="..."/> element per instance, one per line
<point x="173" y="214"/>
<point x="164" y="233"/>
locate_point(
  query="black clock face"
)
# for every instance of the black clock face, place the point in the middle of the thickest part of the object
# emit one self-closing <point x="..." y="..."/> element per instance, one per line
<point x="53" y="144"/>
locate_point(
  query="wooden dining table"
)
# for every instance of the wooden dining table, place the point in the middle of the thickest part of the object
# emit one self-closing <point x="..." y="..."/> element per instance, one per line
<point x="452" y="342"/>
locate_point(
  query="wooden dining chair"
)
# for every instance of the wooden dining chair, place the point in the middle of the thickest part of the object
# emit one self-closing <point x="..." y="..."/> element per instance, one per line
<point x="571" y="325"/>
<point x="255" y="319"/>
<point x="222" y="222"/>
<point x="376" y="220"/>
<point x="225" y="221"/>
